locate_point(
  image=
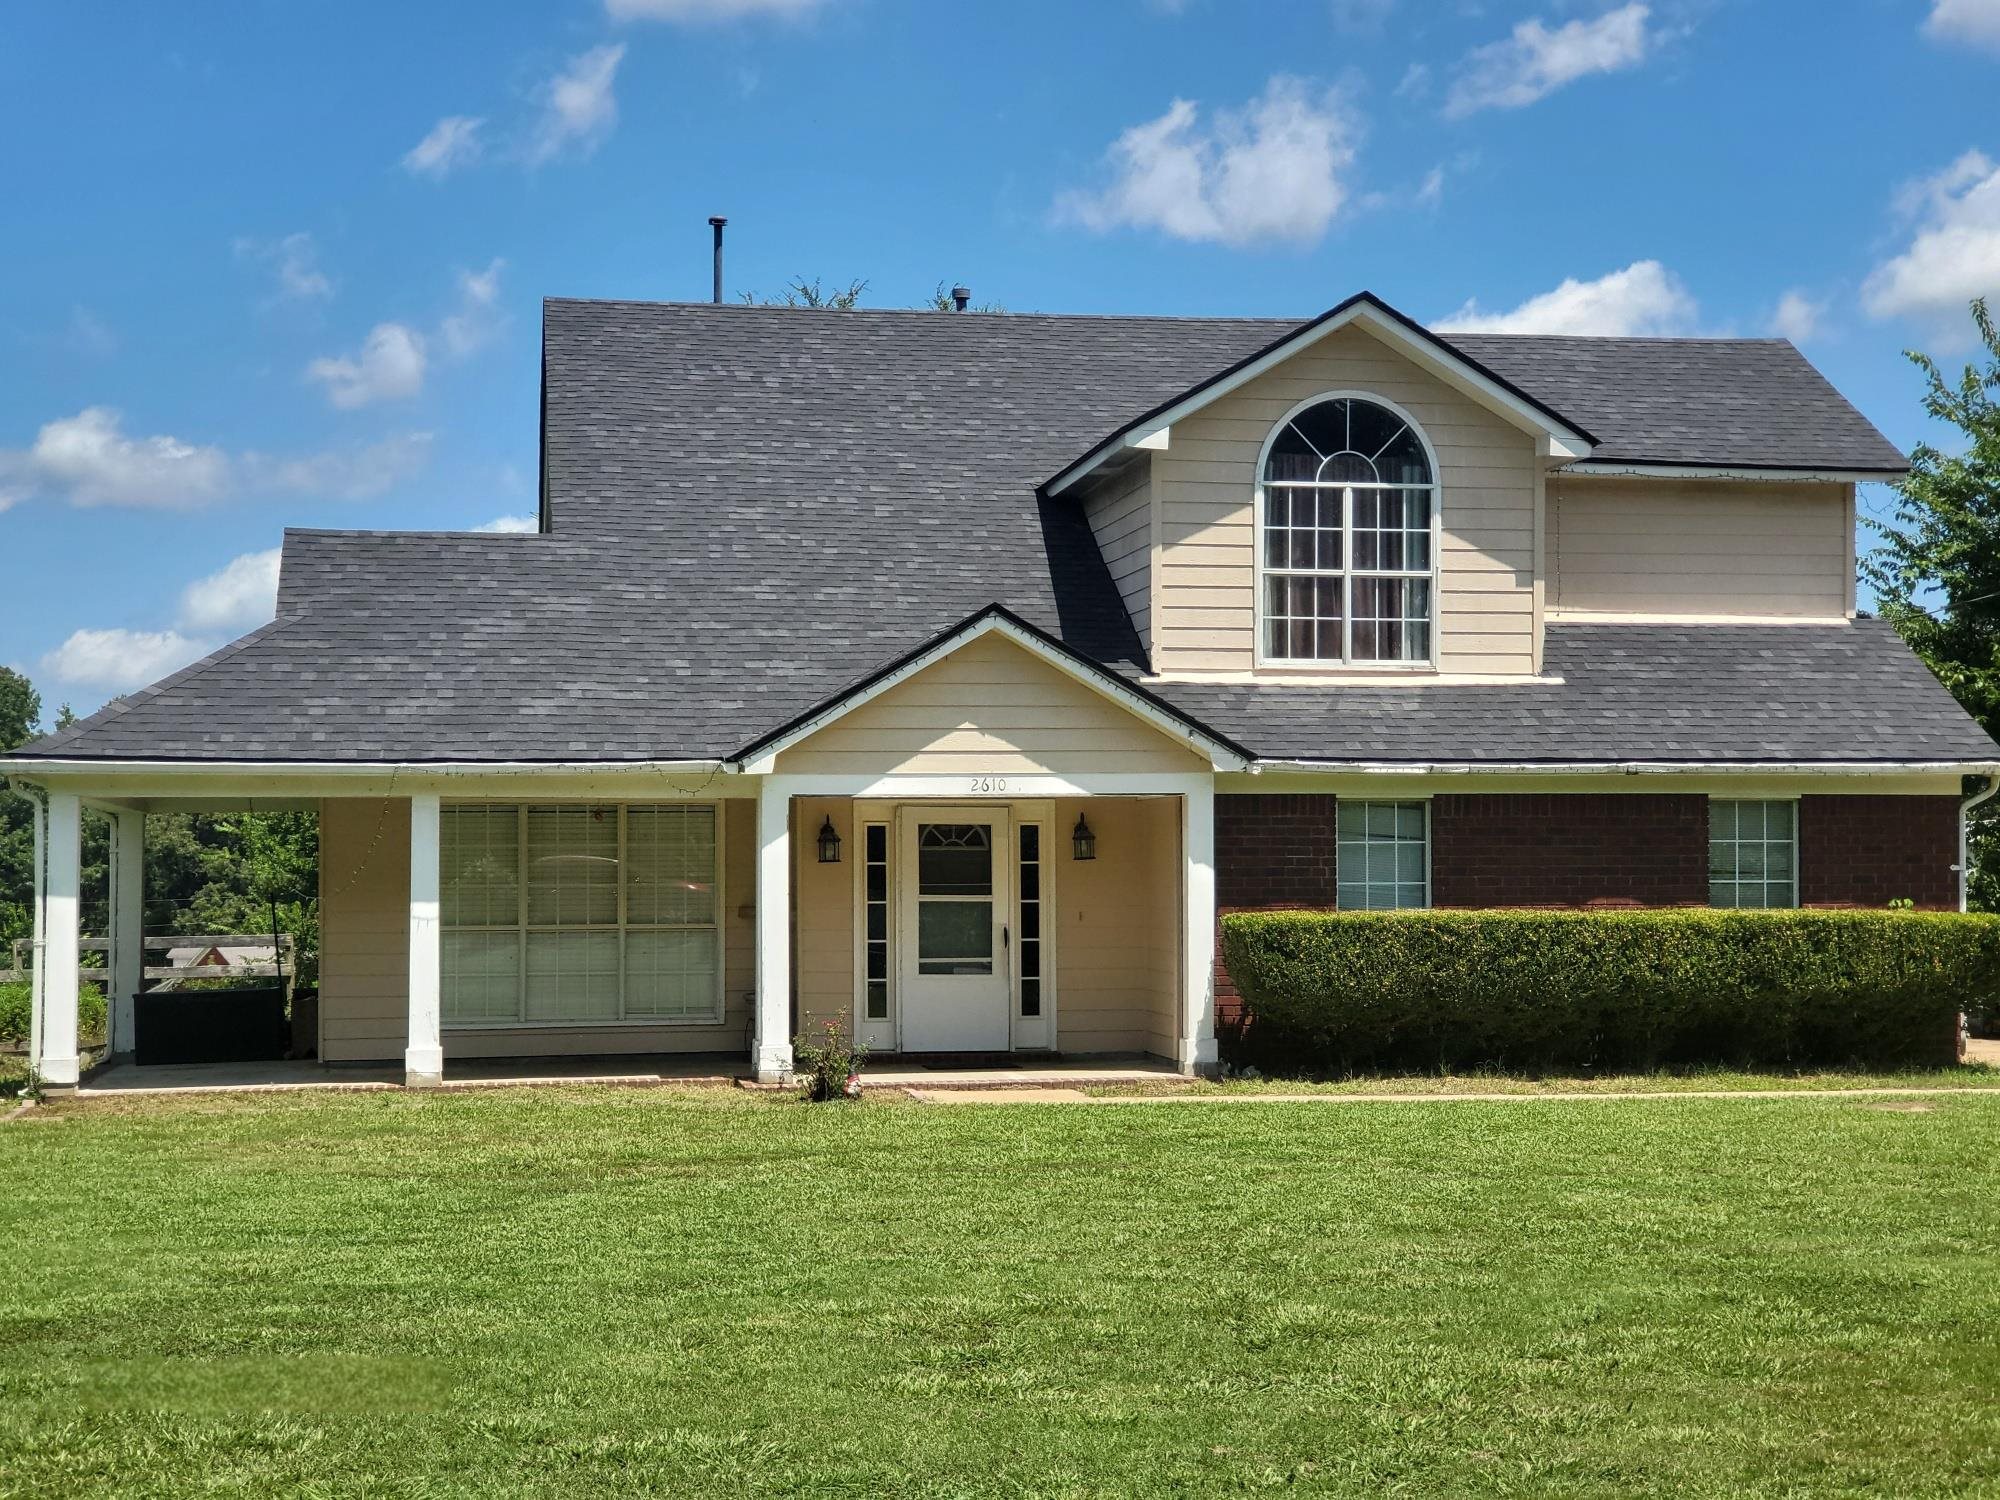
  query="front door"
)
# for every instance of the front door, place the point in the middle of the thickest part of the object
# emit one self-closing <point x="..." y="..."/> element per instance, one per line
<point x="953" y="966"/>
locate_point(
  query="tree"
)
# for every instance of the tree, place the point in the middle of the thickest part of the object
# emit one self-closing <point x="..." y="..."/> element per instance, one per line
<point x="1936" y="572"/>
<point x="20" y="710"/>
<point x="799" y="292"/>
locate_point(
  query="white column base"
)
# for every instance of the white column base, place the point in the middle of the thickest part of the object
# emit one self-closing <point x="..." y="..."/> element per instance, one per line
<point x="774" y="1063"/>
<point x="1199" y="1057"/>
<point x="423" y="1067"/>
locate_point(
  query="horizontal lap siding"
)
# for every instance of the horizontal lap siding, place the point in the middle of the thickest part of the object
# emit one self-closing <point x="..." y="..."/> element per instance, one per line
<point x="1656" y="546"/>
<point x="1121" y="517"/>
<point x="1204" y="606"/>
<point x="1116" y="927"/>
<point x="989" y="708"/>
<point x="365" y="947"/>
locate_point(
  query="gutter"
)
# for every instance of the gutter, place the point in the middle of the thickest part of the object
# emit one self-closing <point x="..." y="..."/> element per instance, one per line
<point x="30" y="766"/>
<point x="1965" y="808"/>
<point x="1635" y="768"/>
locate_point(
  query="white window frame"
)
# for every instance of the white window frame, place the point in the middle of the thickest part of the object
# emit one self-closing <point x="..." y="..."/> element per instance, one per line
<point x="1347" y="573"/>
<point x="865" y="818"/>
<point x="1791" y="802"/>
<point x="1366" y="802"/>
<point x="522" y="928"/>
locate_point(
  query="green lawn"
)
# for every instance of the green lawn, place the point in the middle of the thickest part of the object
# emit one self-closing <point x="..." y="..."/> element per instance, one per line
<point x="613" y="1292"/>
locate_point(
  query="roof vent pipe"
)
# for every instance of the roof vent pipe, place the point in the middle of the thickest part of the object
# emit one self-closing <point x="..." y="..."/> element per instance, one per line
<point x="716" y="224"/>
<point x="961" y="297"/>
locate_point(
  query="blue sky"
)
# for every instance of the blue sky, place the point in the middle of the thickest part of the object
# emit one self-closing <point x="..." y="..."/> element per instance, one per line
<point x="281" y="264"/>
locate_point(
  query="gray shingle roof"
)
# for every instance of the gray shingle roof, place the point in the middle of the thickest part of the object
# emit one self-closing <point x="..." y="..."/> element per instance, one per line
<point x="1824" y="693"/>
<point x="755" y="508"/>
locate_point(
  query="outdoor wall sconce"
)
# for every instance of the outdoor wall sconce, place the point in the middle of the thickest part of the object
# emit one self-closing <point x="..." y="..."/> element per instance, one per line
<point x="1082" y="842"/>
<point x="829" y="843"/>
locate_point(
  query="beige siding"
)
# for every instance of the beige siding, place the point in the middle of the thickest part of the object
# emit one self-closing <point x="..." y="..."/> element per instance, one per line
<point x="1204" y="609"/>
<point x="1688" y="547"/>
<point x="365" y="946"/>
<point x="823" y="915"/>
<point x="1121" y="516"/>
<point x="1117" y="928"/>
<point x="988" y="708"/>
<point x="364" y="919"/>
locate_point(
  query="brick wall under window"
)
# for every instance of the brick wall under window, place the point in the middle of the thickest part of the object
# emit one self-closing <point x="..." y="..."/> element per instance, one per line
<point x="1583" y="850"/>
<point x="1570" y="850"/>
<point x="1869" y="851"/>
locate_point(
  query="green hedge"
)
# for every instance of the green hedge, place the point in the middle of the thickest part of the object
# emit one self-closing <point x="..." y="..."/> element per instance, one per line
<point x="1347" y="991"/>
<point x="16" y="1014"/>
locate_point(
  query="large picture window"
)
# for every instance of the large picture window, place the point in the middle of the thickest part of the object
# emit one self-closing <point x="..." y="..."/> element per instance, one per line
<point x="579" y="914"/>
<point x="1753" y="857"/>
<point x="1348" y="555"/>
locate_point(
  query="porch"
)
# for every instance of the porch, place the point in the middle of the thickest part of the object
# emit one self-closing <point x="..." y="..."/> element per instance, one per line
<point x="529" y="929"/>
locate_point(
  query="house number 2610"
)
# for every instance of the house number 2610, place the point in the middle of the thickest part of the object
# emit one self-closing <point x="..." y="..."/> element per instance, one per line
<point x="989" y="784"/>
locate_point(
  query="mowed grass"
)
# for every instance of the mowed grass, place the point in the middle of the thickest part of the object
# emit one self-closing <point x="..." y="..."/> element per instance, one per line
<point x="646" y="1292"/>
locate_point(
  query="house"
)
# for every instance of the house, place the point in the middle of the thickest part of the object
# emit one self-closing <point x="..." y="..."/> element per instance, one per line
<point x="945" y="675"/>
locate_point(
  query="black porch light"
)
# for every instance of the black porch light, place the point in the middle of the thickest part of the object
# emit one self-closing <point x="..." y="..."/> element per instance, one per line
<point x="1082" y="842"/>
<point x="829" y="843"/>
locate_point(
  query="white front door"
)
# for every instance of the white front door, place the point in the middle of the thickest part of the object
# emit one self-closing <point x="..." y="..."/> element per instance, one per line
<point x="953" y="967"/>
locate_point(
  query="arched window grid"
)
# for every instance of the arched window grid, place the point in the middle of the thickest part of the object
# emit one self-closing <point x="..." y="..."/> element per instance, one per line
<point x="1347" y="522"/>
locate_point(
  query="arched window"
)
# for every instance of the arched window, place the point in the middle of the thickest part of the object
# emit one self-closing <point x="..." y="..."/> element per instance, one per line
<point x="1348" y="556"/>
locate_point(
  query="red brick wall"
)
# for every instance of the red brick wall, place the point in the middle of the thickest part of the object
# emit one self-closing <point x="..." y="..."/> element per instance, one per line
<point x="1271" y="852"/>
<point x="1569" y="850"/>
<point x="1869" y="851"/>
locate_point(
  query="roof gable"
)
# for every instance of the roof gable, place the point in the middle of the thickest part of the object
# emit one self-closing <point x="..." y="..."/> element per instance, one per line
<point x="1559" y="437"/>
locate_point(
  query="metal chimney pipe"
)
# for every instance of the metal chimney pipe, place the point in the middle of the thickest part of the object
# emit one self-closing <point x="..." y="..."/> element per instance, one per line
<point x="960" y="297"/>
<point x="716" y="224"/>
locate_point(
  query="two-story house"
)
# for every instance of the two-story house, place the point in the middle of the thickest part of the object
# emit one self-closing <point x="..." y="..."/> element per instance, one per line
<point x="947" y="675"/>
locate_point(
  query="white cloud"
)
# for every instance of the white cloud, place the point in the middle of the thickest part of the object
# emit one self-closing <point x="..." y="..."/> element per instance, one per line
<point x="705" y="10"/>
<point x="1270" y="171"/>
<point x="1954" y="253"/>
<point x="1976" y="22"/>
<point x="579" y="107"/>
<point x="1430" y="192"/>
<point x="90" y="461"/>
<point x="242" y="595"/>
<point x="120" y="660"/>
<point x="339" y="473"/>
<point x="509" y="525"/>
<point x="1797" y="317"/>
<point x="294" y="265"/>
<point x="478" y="319"/>
<point x="89" y="335"/>
<point x="1365" y="16"/>
<point x="1535" y="61"/>
<point x="388" y="367"/>
<point x="452" y="143"/>
<point x="1644" y="298"/>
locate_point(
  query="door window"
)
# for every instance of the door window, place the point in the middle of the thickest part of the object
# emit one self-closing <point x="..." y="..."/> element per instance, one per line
<point x="954" y="898"/>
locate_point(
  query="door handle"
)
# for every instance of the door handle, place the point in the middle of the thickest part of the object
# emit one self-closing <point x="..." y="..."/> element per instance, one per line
<point x="1003" y="935"/>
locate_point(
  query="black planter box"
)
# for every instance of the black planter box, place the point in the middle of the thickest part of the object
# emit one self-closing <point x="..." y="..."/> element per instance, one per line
<point x="199" y="1026"/>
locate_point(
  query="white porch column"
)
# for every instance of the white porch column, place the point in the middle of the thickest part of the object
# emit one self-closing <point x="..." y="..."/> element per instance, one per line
<point x="128" y="928"/>
<point x="54" y="1004"/>
<point x="1197" y="1039"/>
<point x="772" y="1051"/>
<point x="423" y="1060"/>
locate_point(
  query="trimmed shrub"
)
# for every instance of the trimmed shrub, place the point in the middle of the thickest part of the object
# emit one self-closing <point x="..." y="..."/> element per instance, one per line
<point x="17" y="1016"/>
<point x="1431" y="990"/>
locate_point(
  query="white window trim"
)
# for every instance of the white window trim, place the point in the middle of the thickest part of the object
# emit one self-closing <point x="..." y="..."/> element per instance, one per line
<point x="1041" y="816"/>
<point x="862" y="820"/>
<point x="1793" y="904"/>
<point x="523" y="928"/>
<point x="1261" y="659"/>
<point x="1423" y="802"/>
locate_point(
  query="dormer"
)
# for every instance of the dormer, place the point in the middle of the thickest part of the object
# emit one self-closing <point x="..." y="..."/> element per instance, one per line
<point x="1358" y="501"/>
